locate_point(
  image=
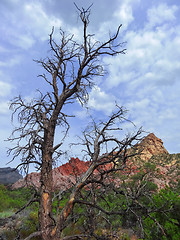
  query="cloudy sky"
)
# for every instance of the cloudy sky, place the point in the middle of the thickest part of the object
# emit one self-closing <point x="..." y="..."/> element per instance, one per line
<point x="146" y="80"/>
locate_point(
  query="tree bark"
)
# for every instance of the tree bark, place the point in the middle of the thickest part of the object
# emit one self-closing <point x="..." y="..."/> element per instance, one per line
<point x="45" y="209"/>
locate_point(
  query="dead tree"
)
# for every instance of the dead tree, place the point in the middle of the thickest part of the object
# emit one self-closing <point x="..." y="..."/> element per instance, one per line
<point x="99" y="179"/>
<point x="70" y="72"/>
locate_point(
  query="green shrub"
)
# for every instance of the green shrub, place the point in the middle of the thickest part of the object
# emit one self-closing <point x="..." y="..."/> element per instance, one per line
<point x="168" y="216"/>
<point x="13" y="199"/>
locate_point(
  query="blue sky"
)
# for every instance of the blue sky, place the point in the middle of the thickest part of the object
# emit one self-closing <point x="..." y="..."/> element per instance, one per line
<point x="146" y="80"/>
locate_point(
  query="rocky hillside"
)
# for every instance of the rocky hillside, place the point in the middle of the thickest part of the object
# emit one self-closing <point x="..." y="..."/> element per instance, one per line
<point x="9" y="175"/>
<point x="64" y="176"/>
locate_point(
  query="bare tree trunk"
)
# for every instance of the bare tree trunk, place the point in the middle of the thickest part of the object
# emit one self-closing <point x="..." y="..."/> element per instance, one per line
<point x="45" y="208"/>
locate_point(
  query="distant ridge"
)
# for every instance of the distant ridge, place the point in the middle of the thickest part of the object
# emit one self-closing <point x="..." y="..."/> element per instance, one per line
<point x="9" y="175"/>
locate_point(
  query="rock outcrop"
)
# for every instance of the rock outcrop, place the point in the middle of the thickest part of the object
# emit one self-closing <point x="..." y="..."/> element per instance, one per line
<point x="65" y="176"/>
<point x="150" y="146"/>
<point x="9" y="175"/>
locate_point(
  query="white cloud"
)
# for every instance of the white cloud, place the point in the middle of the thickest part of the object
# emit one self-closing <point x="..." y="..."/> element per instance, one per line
<point x="151" y="56"/>
<point x="10" y="62"/>
<point x="124" y="15"/>
<point x="24" y="41"/>
<point x="81" y="114"/>
<point x="101" y="101"/>
<point x="147" y="79"/>
<point x="160" y="14"/>
<point x="27" y="23"/>
<point x="39" y="22"/>
<point x="5" y="89"/>
<point x="4" y="107"/>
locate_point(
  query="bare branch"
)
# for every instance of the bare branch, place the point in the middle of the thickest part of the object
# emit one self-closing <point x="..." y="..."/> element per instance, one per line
<point x="32" y="235"/>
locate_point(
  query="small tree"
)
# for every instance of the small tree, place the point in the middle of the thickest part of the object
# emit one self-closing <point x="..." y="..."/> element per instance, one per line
<point x="70" y="72"/>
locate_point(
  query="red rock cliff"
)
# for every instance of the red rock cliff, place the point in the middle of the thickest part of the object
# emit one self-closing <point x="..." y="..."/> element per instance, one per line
<point x="63" y="176"/>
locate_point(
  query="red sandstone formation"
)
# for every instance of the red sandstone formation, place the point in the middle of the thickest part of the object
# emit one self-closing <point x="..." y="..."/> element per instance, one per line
<point x="64" y="176"/>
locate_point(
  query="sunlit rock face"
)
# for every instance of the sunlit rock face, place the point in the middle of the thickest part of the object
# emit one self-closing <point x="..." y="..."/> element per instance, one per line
<point x="9" y="176"/>
<point x="151" y="145"/>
